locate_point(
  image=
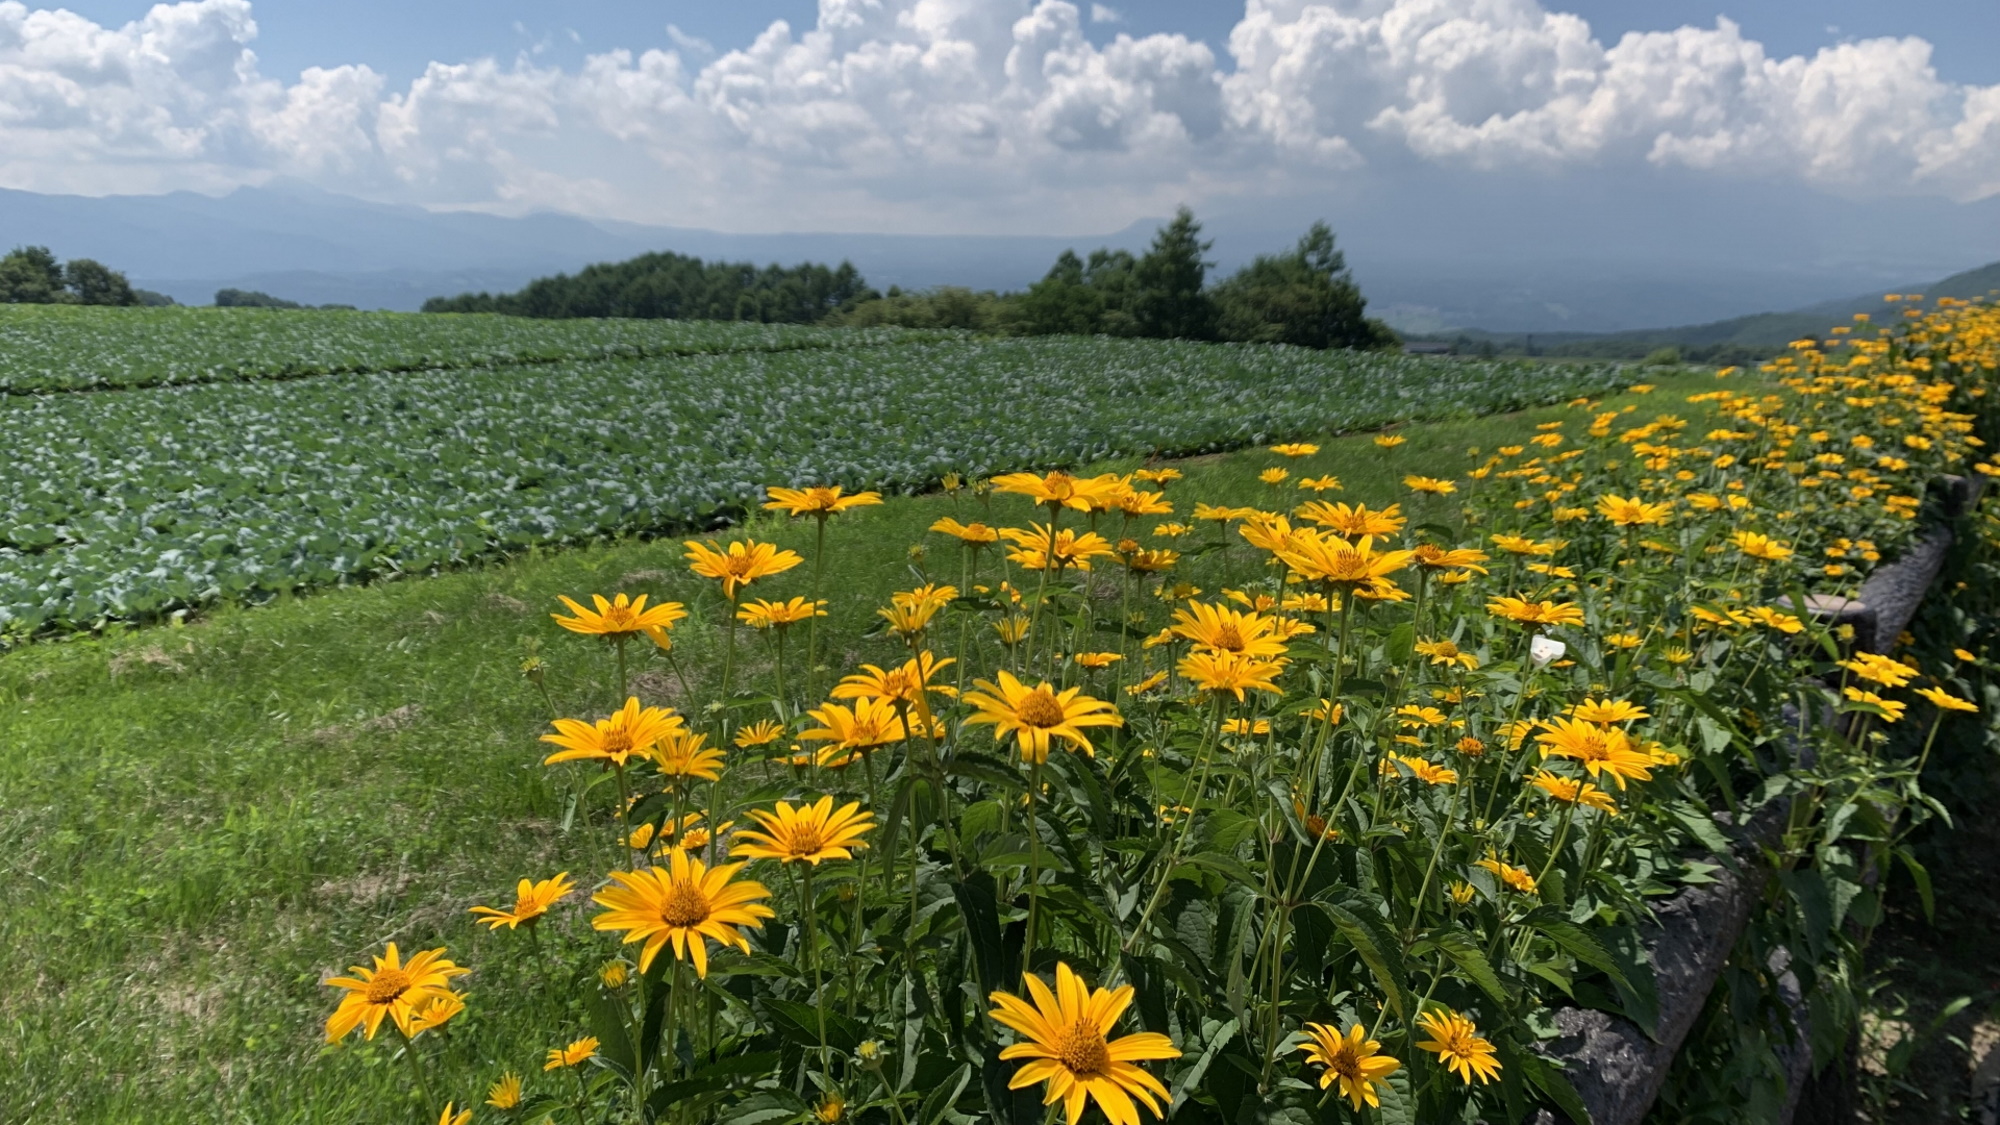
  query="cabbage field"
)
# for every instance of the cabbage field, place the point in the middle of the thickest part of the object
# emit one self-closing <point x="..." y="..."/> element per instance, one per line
<point x="70" y="348"/>
<point x="128" y="504"/>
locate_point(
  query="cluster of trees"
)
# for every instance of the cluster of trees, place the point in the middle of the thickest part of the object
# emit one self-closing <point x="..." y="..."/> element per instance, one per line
<point x="676" y="286"/>
<point x="257" y="299"/>
<point x="31" y="275"/>
<point x="1305" y="296"/>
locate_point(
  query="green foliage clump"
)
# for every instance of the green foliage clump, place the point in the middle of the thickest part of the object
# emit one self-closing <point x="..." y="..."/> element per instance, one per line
<point x="679" y="287"/>
<point x="32" y="275"/>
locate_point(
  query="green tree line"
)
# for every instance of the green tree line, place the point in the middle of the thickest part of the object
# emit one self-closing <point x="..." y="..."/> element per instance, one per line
<point x="32" y="275"/>
<point x="678" y="287"/>
<point x="1305" y="296"/>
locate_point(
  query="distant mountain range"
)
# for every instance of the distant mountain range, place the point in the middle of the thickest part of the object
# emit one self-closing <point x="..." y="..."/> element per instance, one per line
<point x="1507" y="255"/>
<point x="1758" y="333"/>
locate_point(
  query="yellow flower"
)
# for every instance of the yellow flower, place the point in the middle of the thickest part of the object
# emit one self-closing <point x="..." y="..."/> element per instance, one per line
<point x="449" y="1117"/>
<point x="1211" y="670"/>
<point x="506" y="1093"/>
<point x="620" y="617"/>
<point x="391" y="989"/>
<point x="874" y="721"/>
<point x="1633" y="512"/>
<point x="687" y="903"/>
<point x="1221" y="513"/>
<point x="1295" y="449"/>
<point x="629" y="733"/>
<point x="531" y="901"/>
<point x="976" y="534"/>
<point x="1137" y="502"/>
<point x="1147" y="684"/>
<point x="1356" y="521"/>
<point x="1353" y="1060"/>
<point x="763" y="732"/>
<point x="437" y="1013"/>
<point x="1333" y="561"/>
<point x="1600" y="749"/>
<point x="1427" y="772"/>
<point x="1246" y="727"/>
<point x="1432" y="485"/>
<point x="1012" y="630"/>
<point x="1036" y="715"/>
<point x="1447" y="652"/>
<point x="761" y="614"/>
<point x="1572" y="792"/>
<point x="1040" y="549"/>
<point x="910" y="611"/>
<point x="1161" y="477"/>
<point x="1455" y="1041"/>
<point x="819" y="500"/>
<point x="1879" y="669"/>
<point x="1096" y="660"/>
<point x="906" y="683"/>
<point x="1945" y="701"/>
<point x="686" y="754"/>
<point x="613" y="975"/>
<point x="1273" y="476"/>
<point x="1059" y="489"/>
<point x="1624" y="640"/>
<point x="1150" y="562"/>
<point x="1522" y="545"/>
<point x="1515" y="877"/>
<point x="1227" y="630"/>
<point x="1463" y="892"/>
<point x="1388" y="441"/>
<point x="1891" y="710"/>
<point x="1320" y="484"/>
<point x="1608" y="712"/>
<point x="740" y="564"/>
<point x="1433" y="557"/>
<point x="575" y="1053"/>
<point x="1758" y="546"/>
<point x="1773" y="619"/>
<point x="1066" y="1034"/>
<point x="830" y="1109"/>
<point x="1535" y="613"/>
<point x="807" y="833"/>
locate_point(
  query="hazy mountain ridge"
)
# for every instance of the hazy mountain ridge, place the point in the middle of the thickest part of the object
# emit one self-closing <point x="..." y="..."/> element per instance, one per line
<point x="1513" y="257"/>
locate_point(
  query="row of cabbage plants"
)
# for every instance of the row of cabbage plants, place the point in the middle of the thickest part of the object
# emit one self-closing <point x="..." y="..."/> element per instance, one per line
<point x="140" y="503"/>
<point x="54" y="348"/>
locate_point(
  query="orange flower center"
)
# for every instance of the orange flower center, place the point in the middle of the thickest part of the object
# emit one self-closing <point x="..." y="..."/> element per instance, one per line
<point x="1345" y="1063"/>
<point x="1229" y="637"/>
<point x="387" y="985"/>
<point x="1081" y="1048"/>
<point x="1040" y="709"/>
<point x="617" y="741"/>
<point x="527" y="908"/>
<point x="621" y="619"/>
<point x="685" y="905"/>
<point x="803" y="839"/>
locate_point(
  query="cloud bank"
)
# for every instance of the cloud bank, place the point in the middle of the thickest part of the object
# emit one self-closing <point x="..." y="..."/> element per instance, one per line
<point x="982" y="115"/>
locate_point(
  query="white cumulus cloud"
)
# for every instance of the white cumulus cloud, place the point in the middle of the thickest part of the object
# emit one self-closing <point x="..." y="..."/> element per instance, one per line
<point x="980" y="114"/>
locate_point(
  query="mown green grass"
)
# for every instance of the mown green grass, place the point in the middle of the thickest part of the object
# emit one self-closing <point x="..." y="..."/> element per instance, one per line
<point x="198" y="824"/>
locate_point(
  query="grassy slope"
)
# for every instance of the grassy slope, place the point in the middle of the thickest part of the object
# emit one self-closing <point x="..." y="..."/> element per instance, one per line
<point x="197" y="824"/>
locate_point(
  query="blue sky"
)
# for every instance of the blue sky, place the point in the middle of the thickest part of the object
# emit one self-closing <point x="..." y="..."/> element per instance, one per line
<point x="399" y="37"/>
